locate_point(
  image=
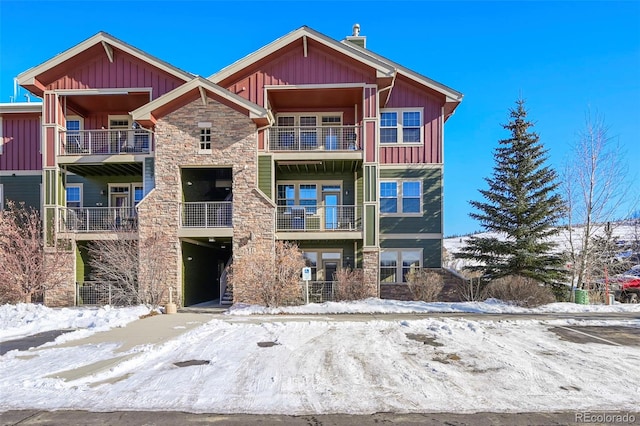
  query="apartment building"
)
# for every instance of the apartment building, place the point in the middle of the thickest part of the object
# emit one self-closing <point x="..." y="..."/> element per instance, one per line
<point x="308" y="139"/>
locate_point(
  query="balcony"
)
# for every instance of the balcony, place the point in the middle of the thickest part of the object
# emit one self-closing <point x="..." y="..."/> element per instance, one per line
<point x="307" y="138"/>
<point x="208" y="214"/>
<point x="97" y="219"/>
<point x="105" y="142"/>
<point x="325" y="219"/>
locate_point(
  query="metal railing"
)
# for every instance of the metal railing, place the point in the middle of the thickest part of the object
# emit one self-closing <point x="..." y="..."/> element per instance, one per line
<point x="94" y="293"/>
<point x="319" y="291"/>
<point x="206" y="214"/>
<point x="323" y="138"/>
<point x="105" y="142"/>
<point x="97" y="219"/>
<point x="319" y="218"/>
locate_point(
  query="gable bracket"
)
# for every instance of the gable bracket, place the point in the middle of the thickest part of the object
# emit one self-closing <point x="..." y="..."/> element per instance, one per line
<point x="109" y="50"/>
<point x="304" y="45"/>
<point x="203" y="95"/>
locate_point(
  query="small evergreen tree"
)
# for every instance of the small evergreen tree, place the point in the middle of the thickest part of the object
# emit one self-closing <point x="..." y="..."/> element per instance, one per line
<point x="521" y="205"/>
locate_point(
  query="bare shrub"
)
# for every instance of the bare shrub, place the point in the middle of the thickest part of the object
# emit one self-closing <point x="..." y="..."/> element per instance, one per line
<point x="276" y="282"/>
<point x="114" y="263"/>
<point x="350" y="285"/>
<point x="473" y="288"/>
<point x="24" y="273"/>
<point x="425" y="285"/>
<point x="117" y="264"/>
<point x="521" y="291"/>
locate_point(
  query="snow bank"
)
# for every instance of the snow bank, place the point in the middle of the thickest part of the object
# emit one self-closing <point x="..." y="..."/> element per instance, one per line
<point x="383" y="306"/>
<point x="25" y="319"/>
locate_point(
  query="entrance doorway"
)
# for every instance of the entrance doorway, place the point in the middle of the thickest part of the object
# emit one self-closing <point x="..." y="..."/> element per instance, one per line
<point x="331" y="202"/>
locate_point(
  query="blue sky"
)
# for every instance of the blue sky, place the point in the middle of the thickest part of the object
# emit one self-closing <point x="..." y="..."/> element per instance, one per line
<point x="563" y="58"/>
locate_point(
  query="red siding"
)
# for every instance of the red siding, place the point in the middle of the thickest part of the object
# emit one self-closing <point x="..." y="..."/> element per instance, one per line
<point x="21" y="136"/>
<point x="406" y="95"/>
<point x="289" y="67"/>
<point x="125" y="71"/>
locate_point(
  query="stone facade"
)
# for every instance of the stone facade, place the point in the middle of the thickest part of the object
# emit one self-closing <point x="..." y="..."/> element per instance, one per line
<point x="63" y="291"/>
<point x="234" y="142"/>
<point x="370" y="263"/>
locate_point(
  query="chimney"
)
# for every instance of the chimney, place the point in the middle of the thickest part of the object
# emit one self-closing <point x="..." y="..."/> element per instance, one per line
<point x="356" y="38"/>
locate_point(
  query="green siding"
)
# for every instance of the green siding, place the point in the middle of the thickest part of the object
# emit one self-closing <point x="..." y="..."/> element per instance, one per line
<point x="79" y="263"/>
<point x="370" y="225"/>
<point x="265" y="168"/>
<point x="359" y="188"/>
<point x="92" y="187"/>
<point x="22" y="189"/>
<point x="431" y="220"/>
<point x="432" y="249"/>
<point x="345" y="246"/>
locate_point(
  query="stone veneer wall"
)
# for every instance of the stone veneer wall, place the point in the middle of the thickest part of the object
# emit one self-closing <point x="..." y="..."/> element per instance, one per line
<point x="370" y="264"/>
<point x="234" y="145"/>
<point x="64" y="291"/>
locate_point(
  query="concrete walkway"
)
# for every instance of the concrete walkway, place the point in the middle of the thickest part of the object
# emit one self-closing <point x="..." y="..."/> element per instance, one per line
<point x="153" y="330"/>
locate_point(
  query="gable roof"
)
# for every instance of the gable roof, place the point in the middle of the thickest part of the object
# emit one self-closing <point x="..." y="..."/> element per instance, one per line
<point x="147" y="113"/>
<point x="29" y="78"/>
<point x="384" y="67"/>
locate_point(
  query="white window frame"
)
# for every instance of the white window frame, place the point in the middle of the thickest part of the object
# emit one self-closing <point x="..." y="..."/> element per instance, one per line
<point x="400" y="262"/>
<point x="204" y="131"/>
<point x="1" y="141"/>
<point x="135" y="185"/>
<point x="300" y="130"/>
<point x="1" y="196"/>
<point x="80" y="188"/>
<point x="319" y="193"/>
<point x="400" y="126"/>
<point x="400" y="197"/>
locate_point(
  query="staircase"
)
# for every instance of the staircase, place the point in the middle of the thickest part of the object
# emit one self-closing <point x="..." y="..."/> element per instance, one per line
<point x="226" y="291"/>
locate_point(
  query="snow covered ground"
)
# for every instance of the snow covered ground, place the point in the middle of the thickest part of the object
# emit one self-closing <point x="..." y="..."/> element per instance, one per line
<point x="322" y="366"/>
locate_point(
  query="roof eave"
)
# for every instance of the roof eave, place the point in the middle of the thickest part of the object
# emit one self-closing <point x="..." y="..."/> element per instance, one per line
<point x="383" y="69"/>
<point x="28" y="78"/>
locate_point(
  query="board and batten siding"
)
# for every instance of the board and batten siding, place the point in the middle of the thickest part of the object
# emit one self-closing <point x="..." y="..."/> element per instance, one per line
<point x="406" y="95"/>
<point x="21" y="136"/>
<point x="289" y="66"/>
<point x="431" y="219"/>
<point x="126" y="71"/>
<point x="265" y="169"/>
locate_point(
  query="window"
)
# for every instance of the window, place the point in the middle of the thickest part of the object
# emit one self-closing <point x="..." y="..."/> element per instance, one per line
<point x="304" y="131"/>
<point x="308" y="198"/>
<point x="395" y="264"/>
<point x="401" y="197"/>
<point x="74" y="195"/>
<point x="305" y="195"/>
<point x="74" y="140"/>
<point x="205" y="139"/>
<point x="138" y="193"/>
<point x="401" y="126"/>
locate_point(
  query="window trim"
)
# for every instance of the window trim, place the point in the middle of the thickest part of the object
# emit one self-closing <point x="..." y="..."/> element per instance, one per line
<point x="400" y="126"/>
<point x="1" y="196"/>
<point x="205" y="131"/>
<point x="80" y="188"/>
<point x="319" y="193"/>
<point x="400" y="197"/>
<point x="1" y="146"/>
<point x="399" y="261"/>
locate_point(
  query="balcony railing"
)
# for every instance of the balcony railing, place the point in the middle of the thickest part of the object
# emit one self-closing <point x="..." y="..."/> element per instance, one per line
<point x="97" y="219"/>
<point x="209" y="214"/>
<point x="323" y="138"/>
<point x="105" y="142"/>
<point x="319" y="218"/>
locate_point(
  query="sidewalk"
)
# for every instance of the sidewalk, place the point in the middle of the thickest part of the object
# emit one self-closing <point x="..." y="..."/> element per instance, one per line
<point x="152" y="330"/>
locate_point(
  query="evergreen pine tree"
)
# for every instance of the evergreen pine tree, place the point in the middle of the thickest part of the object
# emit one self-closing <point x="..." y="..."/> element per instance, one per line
<point x="521" y="205"/>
